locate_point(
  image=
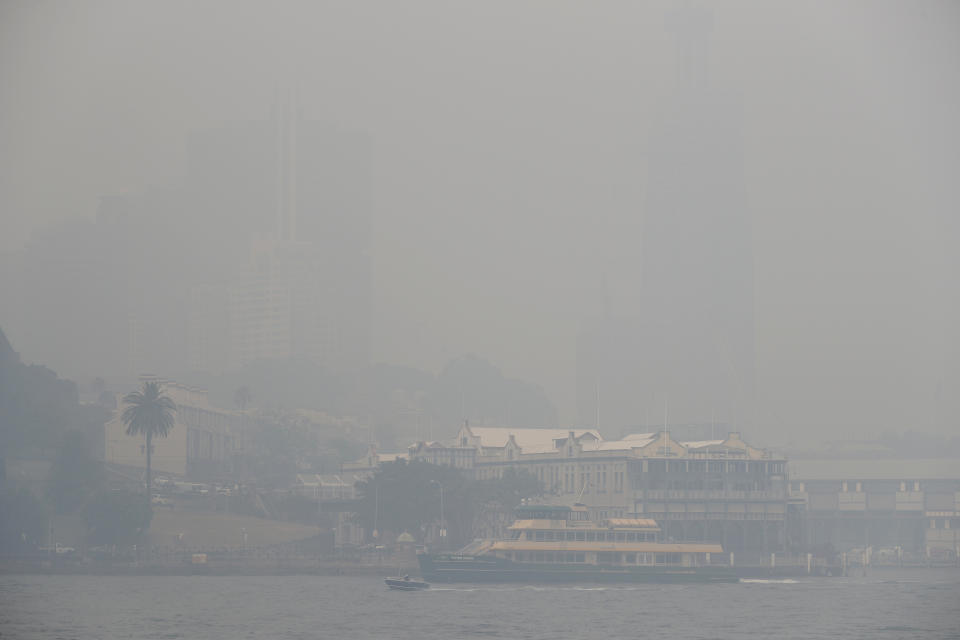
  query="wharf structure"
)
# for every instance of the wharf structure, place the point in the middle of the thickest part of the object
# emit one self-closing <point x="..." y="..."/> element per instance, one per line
<point x="723" y="491"/>
<point x="905" y="519"/>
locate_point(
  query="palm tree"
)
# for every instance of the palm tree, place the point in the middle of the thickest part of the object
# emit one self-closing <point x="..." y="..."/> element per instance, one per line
<point x="150" y="413"/>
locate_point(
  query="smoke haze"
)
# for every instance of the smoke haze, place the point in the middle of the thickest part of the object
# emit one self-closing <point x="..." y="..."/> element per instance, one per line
<point x="506" y="158"/>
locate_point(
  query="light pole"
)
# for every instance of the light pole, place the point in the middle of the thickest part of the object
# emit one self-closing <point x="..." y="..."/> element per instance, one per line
<point x="443" y="531"/>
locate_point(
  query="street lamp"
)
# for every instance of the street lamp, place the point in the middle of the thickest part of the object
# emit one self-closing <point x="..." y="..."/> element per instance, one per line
<point x="443" y="530"/>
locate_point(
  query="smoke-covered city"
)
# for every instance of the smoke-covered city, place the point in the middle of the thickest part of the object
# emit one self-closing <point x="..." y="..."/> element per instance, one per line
<point x="442" y="320"/>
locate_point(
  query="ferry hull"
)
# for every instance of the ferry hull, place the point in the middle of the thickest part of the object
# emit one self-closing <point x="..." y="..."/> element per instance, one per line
<point x="496" y="570"/>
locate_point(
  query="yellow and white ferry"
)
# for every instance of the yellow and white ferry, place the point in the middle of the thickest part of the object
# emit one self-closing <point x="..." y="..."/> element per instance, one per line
<point x="561" y="544"/>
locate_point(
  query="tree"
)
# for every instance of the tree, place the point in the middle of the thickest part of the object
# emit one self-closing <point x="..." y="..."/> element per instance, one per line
<point x="496" y="498"/>
<point x="23" y="522"/>
<point x="404" y="496"/>
<point x="149" y="413"/>
<point x="74" y="474"/>
<point x="36" y="407"/>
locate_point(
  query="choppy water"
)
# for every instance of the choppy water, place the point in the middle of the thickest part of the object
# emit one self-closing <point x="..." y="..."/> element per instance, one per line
<point x="885" y="604"/>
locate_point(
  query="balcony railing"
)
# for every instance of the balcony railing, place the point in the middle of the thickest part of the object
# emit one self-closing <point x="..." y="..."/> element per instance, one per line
<point x="707" y="494"/>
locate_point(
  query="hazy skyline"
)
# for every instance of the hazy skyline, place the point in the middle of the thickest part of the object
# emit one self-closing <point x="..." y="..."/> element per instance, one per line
<point x="510" y="152"/>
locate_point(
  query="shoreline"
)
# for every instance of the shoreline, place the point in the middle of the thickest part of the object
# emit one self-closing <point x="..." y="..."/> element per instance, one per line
<point x="344" y="570"/>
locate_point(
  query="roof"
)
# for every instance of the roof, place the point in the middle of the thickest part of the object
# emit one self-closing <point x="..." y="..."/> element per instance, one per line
<point x="642" y="547"/>
<point x="617" y="445"/>
<point x="317" y="480"/>
<point x="529" y="440"/>
<point x="640" y="436"/>
<point x="699" y="444"/>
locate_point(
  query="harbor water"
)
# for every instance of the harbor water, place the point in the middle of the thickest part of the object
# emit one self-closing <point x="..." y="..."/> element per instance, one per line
<point x="920" y="603"/>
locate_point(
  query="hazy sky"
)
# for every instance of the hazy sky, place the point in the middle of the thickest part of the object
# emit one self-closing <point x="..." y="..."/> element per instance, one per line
<point x="510" y="150"/>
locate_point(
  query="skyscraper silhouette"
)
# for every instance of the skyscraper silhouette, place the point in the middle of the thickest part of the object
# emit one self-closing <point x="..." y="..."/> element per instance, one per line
<point x="691" y="349"/>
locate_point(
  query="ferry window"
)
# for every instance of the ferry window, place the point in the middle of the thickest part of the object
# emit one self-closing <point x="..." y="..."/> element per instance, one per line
<point x="569" y="535"/>
<point x="591" y="536"/>
<point x="621" y="537"/>
<point x="580" y="536"/>
<point x="605" y="556"/>
<point x="538" y="556"/>
<point x="579" y="558"/>
<point x="539" y="536"/>
<point x="548" y="535"/>
<point x="630" y="558"/>
<point x="661" y="558"/>
<point x="548" y="556"/>
<point x="631" y="537"/>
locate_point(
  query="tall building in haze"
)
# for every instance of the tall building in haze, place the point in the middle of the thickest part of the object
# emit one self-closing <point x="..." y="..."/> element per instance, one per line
<point x="302" y="287"/>
<point x="689" y="357"/>
<point x="278" y="211"/>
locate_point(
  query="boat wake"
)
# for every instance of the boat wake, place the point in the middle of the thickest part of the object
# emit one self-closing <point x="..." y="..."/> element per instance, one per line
<point x="767" y="581"/>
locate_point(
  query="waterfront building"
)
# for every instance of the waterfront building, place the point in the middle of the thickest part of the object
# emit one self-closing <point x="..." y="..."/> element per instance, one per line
<point x="919" y="517"/>
<point x="204" y="442"/>
<point x="722" y="490"/>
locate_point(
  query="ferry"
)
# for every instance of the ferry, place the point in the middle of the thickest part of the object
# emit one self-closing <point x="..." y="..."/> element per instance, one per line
<point x="561" y="544"/>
